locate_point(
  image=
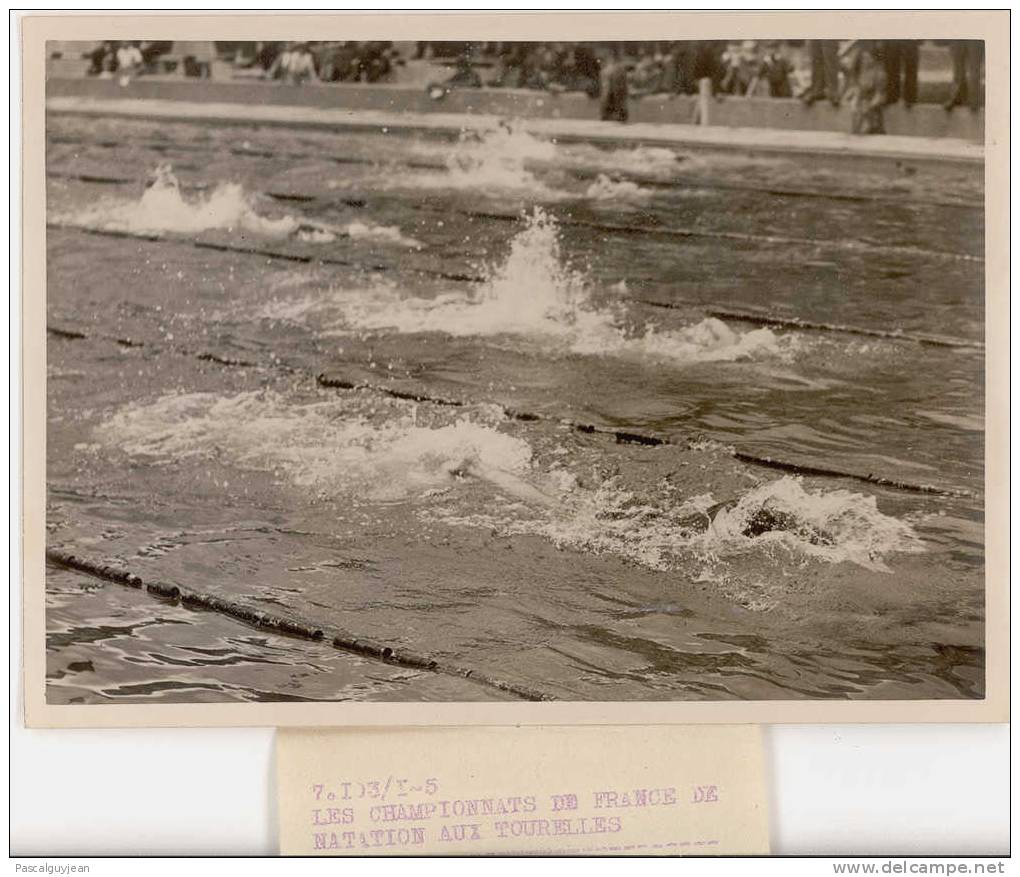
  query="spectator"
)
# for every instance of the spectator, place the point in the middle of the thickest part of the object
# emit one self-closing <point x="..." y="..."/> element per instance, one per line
<point x="615" y="89"/>
<point x="866" y="87"/>
<point x="103" y="59"/>
<point x="646" y="77"/>
<point x="586" y="71"/>
<point x="776" y="70"/>
<point x="464" y="76"/>
<point x="967" y="57"/>
<point x="339" y="62"/>
<point x="742" y="66"/>
<point x="824" y="72"/>
<point x="129" y="60"/>
<point x="374" y="61"/>
<point x="900" y="59"/>
<point x="295" y="66"/>
<point x="196" y="56"/>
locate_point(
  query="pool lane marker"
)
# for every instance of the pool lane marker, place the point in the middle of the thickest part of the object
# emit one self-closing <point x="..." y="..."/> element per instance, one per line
<point x="300" y="629"/>
<point x="824" y="472"/>
<point x="621" y="436"/>
<point x="628" y="228"/>
<point x="743" y="237"/>
<point x="282" y="255"/>
<point x="794" y="323"/>
<point x="651" y="439"/>
<point x="797" y="323"/>
<point x="585" y="174"/>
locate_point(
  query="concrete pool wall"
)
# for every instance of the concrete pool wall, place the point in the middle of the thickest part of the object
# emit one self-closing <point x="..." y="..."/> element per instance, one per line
<point x="922" y="120"/>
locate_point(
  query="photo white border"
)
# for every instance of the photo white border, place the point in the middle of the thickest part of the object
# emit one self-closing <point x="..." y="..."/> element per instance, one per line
<point x="992" y="27"/>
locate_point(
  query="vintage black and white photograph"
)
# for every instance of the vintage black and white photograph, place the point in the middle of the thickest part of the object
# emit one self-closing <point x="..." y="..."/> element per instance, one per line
<point x="514" y="371"/>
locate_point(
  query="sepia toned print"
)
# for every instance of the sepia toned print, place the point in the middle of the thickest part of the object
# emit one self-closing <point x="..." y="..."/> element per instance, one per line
<point x="515" y="372"/>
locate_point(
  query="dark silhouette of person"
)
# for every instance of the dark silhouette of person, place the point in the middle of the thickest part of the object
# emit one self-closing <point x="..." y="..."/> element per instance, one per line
<point x="900" y="58"/>
<point x="824" y="72"/>
<point x="967" y="57"/>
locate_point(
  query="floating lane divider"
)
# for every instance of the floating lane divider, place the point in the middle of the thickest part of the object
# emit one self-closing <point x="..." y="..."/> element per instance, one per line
<point x="652" y="440"/>
<point x="760" y="319"/>
<point x="824" y="472"/>
<point x="581" y="173"/>
<point x="621" y="436"/>
<point x="681" y="232"/>
<point x="283" y="255"/>
<point x="340" y="640"/>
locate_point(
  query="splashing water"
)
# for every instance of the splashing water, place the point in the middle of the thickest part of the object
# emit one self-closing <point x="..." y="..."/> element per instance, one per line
<point x="834" y="525"/>
<point x="639" y="159"/>
<point x="607" y="189"/>
<point x="332" y="446"/>
<point x="387" y="234"/>
<point x="492" y="160"/>
<point x="162" y="208"/>
<point x="660" y="532"/>
<point x="534" y="293"/>
<point x="381" y="451"/>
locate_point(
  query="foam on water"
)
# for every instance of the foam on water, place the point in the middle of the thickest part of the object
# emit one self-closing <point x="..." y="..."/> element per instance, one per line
<point x="489" y="161"/>
<point x="163" y="208"/>
<point x="535" y="293"/>
<point x="387" y="450"/>
<point x="334" y="446"/>
<point x="662" y="531"/>
<point x="387" y="234"/>
<point x="607" y="189"/>
<point x="832" y="525"/>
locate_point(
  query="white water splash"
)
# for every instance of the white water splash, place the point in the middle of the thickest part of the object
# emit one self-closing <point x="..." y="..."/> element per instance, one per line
<point x="384" y="451"/>
<point x="832" y="525"/>
<point x="386" y="234"/>
<point x="163" y="208"/>
<point x="536" y="294"/>
<point x="499" y="160"/>
<point x="607" y="189"/>
<point x="661" y="532"/>
<point x="333" y="446"/>
<point x="655" y="160"/>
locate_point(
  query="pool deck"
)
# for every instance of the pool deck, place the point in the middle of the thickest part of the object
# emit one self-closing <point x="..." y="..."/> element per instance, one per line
<point x="814" y="144"/>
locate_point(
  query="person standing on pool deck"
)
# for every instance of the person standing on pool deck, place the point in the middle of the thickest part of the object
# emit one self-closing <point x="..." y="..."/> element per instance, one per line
<point x="900" y="58"/>
<point x="967" y="56"/>
<point x="824" y="72"/>
<point x="615" y="90"/>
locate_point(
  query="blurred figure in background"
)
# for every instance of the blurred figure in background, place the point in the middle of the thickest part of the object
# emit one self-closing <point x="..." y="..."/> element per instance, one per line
<point x="103" y="59"/>
<point x="824" y="72"/>
<point x="584" y="70"/>
<point x="374" y="62"/>
<point x="967" y="57"/>
<point x="129" y="61"/>
<point x="647" y="76"/>
<point x="294" y="66"/>
<point x="742" y="67"/>
<point x="615" y="88"/>
<point x="865" y="87"/>
<point x="196" y="56"/>
<point x="776" y="70"/>
<point x="900" y="59"/>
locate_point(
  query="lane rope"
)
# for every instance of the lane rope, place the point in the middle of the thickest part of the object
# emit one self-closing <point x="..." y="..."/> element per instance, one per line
<point x="581" y="173"/>
<point x="760" y="319"/>
<point x="294" y="627"/>
<point x="621" y="436"/>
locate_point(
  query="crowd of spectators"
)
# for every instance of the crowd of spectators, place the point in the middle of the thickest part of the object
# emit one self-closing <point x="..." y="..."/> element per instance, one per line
<point x="867" y="74"/>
